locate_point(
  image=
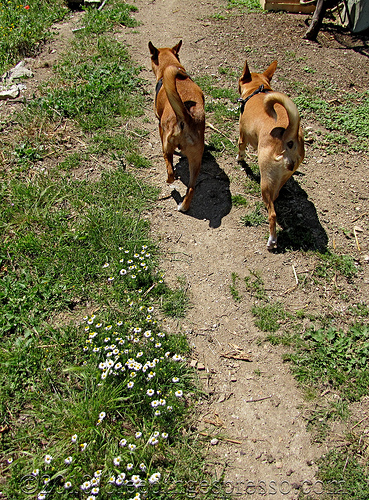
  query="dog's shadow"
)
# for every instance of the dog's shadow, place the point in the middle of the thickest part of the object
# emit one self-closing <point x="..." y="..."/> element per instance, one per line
<point x="297" y="216"/>
<point x="212" y="198"/>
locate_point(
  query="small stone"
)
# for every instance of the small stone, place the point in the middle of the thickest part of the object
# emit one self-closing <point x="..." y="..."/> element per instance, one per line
<point x="200" y="366"/>
<point x="214" y="441"/>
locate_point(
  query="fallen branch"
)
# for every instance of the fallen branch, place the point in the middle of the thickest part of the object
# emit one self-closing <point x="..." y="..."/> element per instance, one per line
<point x="208" y="124"/>
<point x="240" y="356"/>
<point x="102" y="5"/>
<point x="256" y="400"/>
<point x="360" y="422"/>
<point x="223" y="439"/>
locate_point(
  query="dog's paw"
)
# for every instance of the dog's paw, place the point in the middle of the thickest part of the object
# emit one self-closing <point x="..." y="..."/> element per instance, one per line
<point x="181" y="208"/>
<point x="240" y="157"/>
<point x="272" y="243"/>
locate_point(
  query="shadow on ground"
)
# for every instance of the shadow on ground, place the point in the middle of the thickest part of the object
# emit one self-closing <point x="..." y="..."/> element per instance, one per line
<point x="212" y="198"/>
<point x="297" y="216"/>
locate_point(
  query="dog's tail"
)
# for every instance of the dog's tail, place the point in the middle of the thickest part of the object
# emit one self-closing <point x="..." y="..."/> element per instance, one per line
<point x="270" y="100"/>
<point x="171" y="73"/>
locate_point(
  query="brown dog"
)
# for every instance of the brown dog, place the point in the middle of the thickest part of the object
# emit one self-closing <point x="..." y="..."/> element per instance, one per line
<point x="179" y="106"/>
<point x="270" y="122"/>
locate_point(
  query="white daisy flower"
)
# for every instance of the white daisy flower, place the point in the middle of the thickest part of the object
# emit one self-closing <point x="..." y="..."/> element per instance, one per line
<point x="154" y="478"/>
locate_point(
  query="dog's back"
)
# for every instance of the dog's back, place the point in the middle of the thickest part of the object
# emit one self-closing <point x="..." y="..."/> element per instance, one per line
<point x="179" y="106"/>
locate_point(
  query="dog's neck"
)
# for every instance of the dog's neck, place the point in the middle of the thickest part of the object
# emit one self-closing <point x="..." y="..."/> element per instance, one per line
<point x="259" y="90"/>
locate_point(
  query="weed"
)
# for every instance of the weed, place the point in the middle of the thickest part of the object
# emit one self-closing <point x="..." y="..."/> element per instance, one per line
<point x="348" y="116"/>
<point x="360" y="310"/>
<point x="331" y="263"/>
<point x="335" y="358"/>
<point x="245" y="5"/>
<point x="255" y="285"/>
<point x="255" y="218"/>
<point x="233" y="287"/>
<point x="346" y="476"/>
<point x="97" y="22"/>
<point x="176" y="302"/>
<point x="239" y="201"/>
<point x="269" y="316"/>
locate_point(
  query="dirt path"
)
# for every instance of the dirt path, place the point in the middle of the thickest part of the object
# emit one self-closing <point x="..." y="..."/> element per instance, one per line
<point x="257" y="402"/>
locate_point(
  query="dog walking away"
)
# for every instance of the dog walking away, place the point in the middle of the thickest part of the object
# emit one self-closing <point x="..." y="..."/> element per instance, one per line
<point x="179" y="106"/>
<point x="270" y="122"/>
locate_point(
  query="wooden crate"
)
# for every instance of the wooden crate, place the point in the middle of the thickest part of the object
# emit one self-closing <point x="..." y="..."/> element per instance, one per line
<point x="287" y="5"/>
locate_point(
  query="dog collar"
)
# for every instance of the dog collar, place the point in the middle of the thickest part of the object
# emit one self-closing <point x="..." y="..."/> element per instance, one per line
<point x="159" y="85"/>
<point x="257" y="91"/>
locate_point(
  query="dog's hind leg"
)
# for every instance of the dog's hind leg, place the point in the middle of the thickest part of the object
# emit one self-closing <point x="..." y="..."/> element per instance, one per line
<point x="241" y="149"/>
<point x="168" y="151"/>
<point x="168" y="157"/>
<point x="194" y="165"/>
<point x="269" y="196"/>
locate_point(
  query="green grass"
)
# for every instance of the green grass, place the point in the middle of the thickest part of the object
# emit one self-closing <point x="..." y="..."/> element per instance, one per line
<point x="348" y="117"/>
<point x="244" y="5"/>
<point x="269" y="316"/>
<point x="256" y="217"/>
<point x="334" y="358"/>
<point x="23" y="26"/>
<point x="233" y="287"/>
<point x="238" y="200"/>
<point x="87" y="370"/>
<point x="344" y="474"/>
<point x="331" y="263"/>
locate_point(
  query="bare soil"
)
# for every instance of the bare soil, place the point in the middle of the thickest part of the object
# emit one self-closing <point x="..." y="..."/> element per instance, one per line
<point x="253" y="405"/>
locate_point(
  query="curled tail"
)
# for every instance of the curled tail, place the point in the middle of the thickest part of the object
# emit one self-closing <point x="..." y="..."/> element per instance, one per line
<point x="171" y="73"/>
<point x="270" y="100"/>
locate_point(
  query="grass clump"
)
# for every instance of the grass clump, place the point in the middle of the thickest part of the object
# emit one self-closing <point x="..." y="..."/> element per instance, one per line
<point x="256" y="217"/>
<point x="239" y="201"/>
<point x="245" y="5"/>
<point x="334" y="358"/>
<point x="233" y="287"/>
<point x="331" y="263"/>
<point x="269" y="316"/>
<point x="98" y="86"/>
<point x="348" y="117"/>
<point x="346" y="477"/>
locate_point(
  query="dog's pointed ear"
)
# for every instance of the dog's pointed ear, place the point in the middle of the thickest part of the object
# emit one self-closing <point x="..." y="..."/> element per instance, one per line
<point x="270" y="71"/>
<point x="176" y="48"/>
<point x="154" y="51"/>
<point x="246" y="75"/>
